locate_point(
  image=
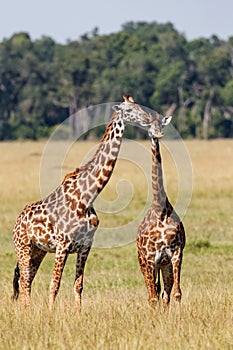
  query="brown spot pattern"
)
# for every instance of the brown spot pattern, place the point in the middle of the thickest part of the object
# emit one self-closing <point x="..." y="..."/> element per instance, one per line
<point x="65" y="221"/>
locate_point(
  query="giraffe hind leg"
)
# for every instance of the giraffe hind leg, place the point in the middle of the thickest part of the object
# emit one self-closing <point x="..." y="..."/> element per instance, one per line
<point x="25" y="273"/>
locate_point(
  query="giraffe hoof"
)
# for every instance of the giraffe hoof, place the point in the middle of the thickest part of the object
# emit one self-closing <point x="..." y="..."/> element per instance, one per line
<point x="177" y="297"/>
<point x="153" y="302"/>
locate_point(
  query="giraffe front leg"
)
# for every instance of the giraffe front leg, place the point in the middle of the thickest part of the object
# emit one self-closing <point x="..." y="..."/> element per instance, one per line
<point x="176" y="262"/>
<point x="78" y="283"/>
<point x="151" y="272"/>
<point x="59" y="264"/>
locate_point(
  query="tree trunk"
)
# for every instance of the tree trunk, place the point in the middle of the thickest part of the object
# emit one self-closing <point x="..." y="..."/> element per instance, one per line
<point x="183" y="105"/>
<point x="170" y="109"/>
<point x="207" y="115"/>
<point x="72" y="110"/>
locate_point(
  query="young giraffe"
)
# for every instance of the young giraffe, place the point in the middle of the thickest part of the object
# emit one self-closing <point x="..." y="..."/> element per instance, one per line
<point x="65" y="221"/>
<point x="161" y="235"/>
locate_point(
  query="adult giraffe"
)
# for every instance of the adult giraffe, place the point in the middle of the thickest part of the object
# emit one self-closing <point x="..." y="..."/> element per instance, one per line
<point x="65" y="221"/>
<point x="161" y="235"/>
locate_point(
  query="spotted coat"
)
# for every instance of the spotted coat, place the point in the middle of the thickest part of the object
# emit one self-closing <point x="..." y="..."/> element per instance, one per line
<point x="161" y="235"/>
<point x="65" y="221"/>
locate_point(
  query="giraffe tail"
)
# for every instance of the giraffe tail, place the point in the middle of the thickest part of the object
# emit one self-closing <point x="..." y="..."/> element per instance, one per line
<point x="158" y="284"/>
<point x="16" y="283"/>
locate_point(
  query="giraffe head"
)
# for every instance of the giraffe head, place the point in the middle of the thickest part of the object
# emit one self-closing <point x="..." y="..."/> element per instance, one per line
<point x="132" y="112"/>
<point x="156" y="129"/>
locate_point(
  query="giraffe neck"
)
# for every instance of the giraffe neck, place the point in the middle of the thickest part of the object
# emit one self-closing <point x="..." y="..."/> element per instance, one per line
<point x="97" y="172"/>
<point x="159" y="194"/>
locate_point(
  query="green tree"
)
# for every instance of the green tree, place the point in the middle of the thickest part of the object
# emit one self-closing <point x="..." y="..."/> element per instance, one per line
<point x="42" y="82"/>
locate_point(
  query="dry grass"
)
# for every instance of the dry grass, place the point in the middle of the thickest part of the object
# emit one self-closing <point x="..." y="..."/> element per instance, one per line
<point x="115" y="313"/>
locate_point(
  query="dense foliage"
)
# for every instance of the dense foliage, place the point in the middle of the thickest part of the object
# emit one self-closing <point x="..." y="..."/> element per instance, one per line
<point x="43" y="82"/>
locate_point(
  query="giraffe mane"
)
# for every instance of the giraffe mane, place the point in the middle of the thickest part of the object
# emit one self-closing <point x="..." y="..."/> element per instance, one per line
<point x="85" y="166"/>
<point x="73" y="173"/>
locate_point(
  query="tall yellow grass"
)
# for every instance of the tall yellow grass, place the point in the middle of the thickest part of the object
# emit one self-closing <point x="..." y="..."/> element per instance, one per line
<point x="115" y="313"/>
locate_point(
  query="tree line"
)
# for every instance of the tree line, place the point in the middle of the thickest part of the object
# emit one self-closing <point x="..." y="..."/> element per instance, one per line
<point x="43" y="82"/>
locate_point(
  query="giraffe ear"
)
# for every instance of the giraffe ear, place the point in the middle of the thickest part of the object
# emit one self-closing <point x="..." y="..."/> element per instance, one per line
<point x="166" y="120"/>
<point x="116" y="108"/>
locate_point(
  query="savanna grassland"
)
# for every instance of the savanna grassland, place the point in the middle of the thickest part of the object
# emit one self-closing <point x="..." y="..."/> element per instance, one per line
<point x="115" y="313"/>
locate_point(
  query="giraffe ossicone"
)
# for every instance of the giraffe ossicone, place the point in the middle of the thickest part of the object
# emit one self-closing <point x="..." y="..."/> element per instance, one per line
<point x="64" y="222"/>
